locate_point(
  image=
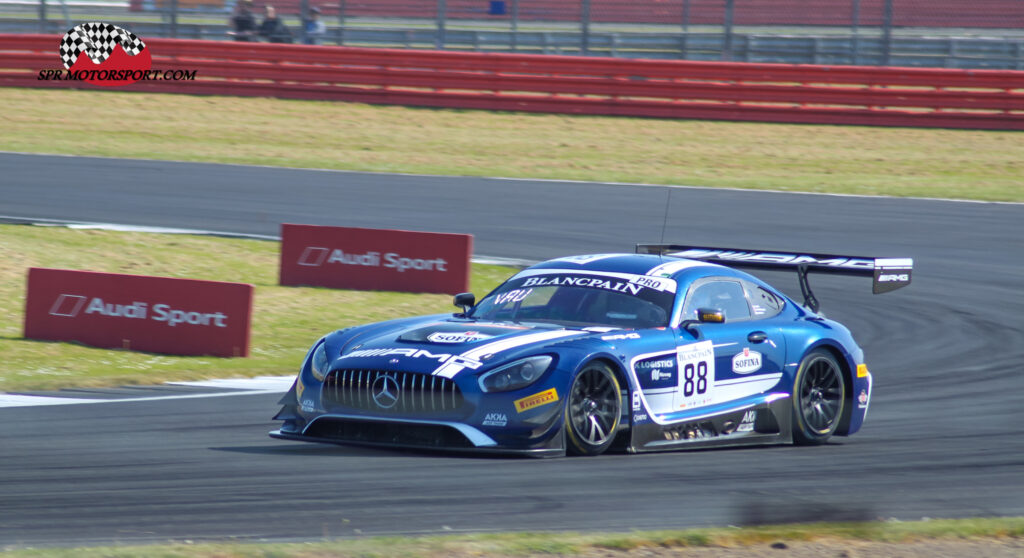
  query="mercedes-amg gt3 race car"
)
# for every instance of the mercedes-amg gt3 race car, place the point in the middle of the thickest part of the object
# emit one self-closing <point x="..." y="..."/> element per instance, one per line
<point x="673" y="347"/>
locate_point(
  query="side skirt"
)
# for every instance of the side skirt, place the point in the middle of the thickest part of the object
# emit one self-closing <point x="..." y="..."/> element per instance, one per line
<point x="764" y="423"/>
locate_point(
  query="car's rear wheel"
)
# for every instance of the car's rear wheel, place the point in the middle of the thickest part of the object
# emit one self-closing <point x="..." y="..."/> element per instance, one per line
<point x="592" y="411"/>
<point x="819" y="395"/>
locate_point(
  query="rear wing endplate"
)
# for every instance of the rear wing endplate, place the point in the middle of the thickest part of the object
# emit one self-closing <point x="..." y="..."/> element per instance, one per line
<point x="888" y="274"/>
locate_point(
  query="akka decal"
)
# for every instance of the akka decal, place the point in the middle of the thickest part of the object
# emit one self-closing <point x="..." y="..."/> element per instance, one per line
<point x="457" y="337"/>
<point x="746" y="362"/>
<point x="495" y="419"/>
<point x="536" y="400"/>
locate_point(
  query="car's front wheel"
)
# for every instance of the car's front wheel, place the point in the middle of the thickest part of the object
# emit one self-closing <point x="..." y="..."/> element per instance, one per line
<point x="592" y="411"/>
<point x="819" y="395"/>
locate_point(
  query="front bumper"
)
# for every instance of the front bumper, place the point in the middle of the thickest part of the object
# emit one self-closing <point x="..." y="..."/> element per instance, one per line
<point x="410" y="434"/>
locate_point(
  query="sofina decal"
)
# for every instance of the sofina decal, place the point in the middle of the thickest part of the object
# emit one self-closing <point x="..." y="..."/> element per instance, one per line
<point x="536" y="400"/>
<point x="746" y="362"/>
<point x="456" y="337"/>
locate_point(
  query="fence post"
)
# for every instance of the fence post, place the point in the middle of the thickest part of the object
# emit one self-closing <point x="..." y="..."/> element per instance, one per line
<point x="585" y="27"/>
<point x="303" y="18"/>
<point x="887" y="33"/>
<point x="442" y="13"/>
<point x="730" y="6"/>
<point x="686" y="29"/>
<point x="174" y="19"/>
<point x="515" y="23"/>
<point x="341" y="23"/>
<point x="42" y="16"/>
<point x="856" y="31"/>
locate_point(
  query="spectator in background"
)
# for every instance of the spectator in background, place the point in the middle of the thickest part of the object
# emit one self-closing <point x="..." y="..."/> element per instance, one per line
<point x="273" y="29"/>
<point x="243" y="23"/>
<point x="315" y="29"/>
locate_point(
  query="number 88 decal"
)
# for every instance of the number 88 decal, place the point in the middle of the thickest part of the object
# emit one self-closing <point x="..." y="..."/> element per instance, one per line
<point x="698" y="373"/>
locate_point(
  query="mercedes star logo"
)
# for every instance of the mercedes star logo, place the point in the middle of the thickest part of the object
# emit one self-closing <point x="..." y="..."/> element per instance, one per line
<point x="385" y="391"/>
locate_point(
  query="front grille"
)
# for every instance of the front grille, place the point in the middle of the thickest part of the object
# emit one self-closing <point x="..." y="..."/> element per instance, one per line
<point x="383" y="391"/>
<point x="390" y="433"/>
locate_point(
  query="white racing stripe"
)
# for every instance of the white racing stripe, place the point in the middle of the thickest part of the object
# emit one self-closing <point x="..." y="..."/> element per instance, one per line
<point x="246" y="386"/>
<point x="450" y="369"/>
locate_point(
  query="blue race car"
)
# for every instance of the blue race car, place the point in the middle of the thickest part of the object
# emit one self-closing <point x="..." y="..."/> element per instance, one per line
<point x="673" y="347"/>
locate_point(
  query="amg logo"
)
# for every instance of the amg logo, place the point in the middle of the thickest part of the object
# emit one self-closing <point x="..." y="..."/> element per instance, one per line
<point x="770" y="257"/>
<point x="893" y="277"/>
<point x="443" y="358"/>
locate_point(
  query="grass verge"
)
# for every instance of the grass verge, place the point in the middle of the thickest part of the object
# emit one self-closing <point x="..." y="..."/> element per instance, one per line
<point x="286" y="320"/>
<point x="650" y="543"/>
<point x="965" y="164"/>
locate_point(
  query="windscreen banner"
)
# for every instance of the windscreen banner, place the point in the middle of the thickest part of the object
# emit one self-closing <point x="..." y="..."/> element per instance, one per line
<point x="375" y="259"/>
<point x="139" y="313"/>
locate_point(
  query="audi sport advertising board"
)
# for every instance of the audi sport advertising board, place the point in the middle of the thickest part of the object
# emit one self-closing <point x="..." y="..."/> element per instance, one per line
<point x="141" y="313"/>
<point x="375" y="259"/>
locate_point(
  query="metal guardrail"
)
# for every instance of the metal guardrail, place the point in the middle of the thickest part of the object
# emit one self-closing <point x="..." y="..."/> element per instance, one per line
<point x="944" y="52"/>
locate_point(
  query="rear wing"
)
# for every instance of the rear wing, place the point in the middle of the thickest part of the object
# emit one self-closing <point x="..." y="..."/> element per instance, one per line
<point x="888" y="274"/>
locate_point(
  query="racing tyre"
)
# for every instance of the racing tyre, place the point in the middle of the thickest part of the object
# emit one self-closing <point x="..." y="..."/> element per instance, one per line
<point x="819" y="395"/>
<point x="592" y="411"/>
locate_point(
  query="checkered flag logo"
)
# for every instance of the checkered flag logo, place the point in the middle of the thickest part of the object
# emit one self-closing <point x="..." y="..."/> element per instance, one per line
<point x="97" y="41"/>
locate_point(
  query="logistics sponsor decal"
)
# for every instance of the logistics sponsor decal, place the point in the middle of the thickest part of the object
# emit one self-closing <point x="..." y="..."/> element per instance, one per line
<point x="457" y="337"/>
<point x="746" y="362"/>
<point x="108" y="55"/>
<point x="536" y="400"/>
<point x="495" y="419"/>
<point x="658" y="363"/>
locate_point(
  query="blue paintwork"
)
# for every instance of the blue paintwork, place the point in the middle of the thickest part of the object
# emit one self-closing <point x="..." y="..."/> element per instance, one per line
<point x="792" y="334"/>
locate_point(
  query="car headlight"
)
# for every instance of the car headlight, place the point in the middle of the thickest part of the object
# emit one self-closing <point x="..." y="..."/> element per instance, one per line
<point x="518" y="374"/>
<point x="318" y="365"/>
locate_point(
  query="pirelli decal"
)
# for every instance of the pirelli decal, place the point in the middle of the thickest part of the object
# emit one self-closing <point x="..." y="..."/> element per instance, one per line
<point x="536" y="400"/>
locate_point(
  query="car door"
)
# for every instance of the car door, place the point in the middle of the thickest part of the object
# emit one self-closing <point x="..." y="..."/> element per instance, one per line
<point x="722" y="362"/>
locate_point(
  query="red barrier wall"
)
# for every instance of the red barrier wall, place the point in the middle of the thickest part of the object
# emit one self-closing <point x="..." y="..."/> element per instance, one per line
<point x="155" y="314"/>
<point x="375" y="259"/>
<point x="926" y="97"/>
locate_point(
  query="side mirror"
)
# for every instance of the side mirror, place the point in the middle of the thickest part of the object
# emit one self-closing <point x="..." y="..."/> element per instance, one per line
<point x="465" y="301"/>
<point x="704" y="316"/>
<point x="710" y="316"/>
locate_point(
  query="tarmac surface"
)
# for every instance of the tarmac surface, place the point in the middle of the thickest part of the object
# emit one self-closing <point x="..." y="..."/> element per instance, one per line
<point x="943" y="438"/>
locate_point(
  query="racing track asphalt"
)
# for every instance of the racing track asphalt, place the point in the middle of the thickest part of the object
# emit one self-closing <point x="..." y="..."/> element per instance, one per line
<point x="943" y="436"/>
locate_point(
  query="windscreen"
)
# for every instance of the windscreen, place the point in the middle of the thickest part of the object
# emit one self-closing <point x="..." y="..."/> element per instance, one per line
<point x="578" y="299"/>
